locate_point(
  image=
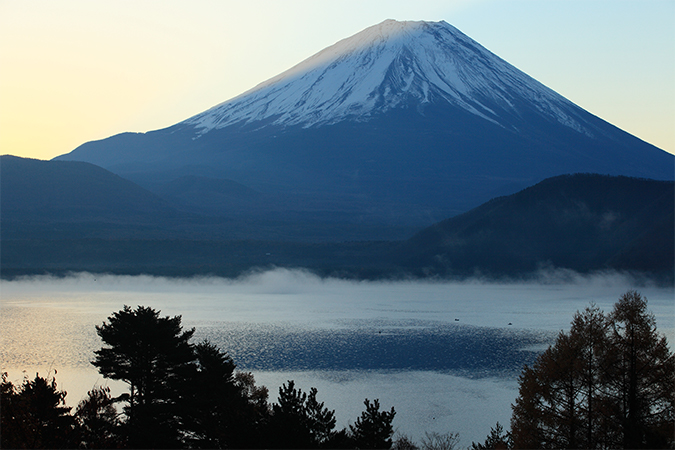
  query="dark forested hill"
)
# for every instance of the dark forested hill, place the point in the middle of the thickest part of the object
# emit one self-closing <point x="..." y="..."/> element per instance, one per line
<point x="583" y="222"/>
<point x="52" y="189"/>
<point x="60" y="217"/>
<point x="78" y="200"/>
<point x="48" y="199"/>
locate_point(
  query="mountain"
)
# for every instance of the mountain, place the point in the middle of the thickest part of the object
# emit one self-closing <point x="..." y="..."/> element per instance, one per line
<point x="398" y="127"/>
<point x="49" y="189"/>
<point x="583" y="222"/>
<point x="41" y="197"/>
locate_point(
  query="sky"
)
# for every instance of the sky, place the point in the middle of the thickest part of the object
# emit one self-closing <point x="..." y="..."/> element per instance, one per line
<point x="72" y="71"/>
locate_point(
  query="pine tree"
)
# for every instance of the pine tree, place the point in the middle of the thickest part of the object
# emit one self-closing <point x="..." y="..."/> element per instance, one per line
<point x="35" y="415"/>
<point x="299" y="420"/>
<point x="497" y="439"/>
<point x="373" y="429"/>
<point x="224" y="409"/>
<point x="153" y="355"/>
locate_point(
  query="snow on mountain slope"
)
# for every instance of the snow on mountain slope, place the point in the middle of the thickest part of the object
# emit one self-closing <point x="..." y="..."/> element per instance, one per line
<point x="385" y="66"/>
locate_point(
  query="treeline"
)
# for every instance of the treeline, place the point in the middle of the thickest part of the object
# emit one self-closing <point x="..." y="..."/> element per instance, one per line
<point x="608" y="383"/>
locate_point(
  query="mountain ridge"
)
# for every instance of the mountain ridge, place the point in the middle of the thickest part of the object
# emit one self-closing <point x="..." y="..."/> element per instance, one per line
<point x="582" y="222"/>
<point x="37" y="187"/>
<point x="585" y="223"/>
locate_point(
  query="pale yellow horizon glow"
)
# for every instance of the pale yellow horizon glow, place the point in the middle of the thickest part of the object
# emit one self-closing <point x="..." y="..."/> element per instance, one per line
<point x="73" y="71"/>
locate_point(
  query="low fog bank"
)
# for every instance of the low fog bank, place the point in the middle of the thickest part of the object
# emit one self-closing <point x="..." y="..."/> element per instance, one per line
<point x="547" y="301"/>
<point x="285" y="276"/>
<point x="53" y="319"/>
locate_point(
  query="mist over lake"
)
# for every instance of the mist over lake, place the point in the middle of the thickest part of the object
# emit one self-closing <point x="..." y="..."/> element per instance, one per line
<point x="446" y="355"/>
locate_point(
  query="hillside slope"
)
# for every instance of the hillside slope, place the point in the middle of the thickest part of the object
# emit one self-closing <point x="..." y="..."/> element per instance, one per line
<point x="50" y="198"/>
<point x="583" y="222"/>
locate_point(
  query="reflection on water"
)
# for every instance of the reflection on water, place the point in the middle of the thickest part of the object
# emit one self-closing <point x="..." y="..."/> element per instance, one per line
<point x="378" y="345"/>
<point x="54" y="337"/>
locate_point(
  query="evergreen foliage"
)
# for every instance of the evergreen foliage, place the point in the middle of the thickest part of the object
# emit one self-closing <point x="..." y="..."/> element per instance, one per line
<point x="153" y="355"/>
<point x="497" y="439"/>
<point x="373" y="429"/>
<point x="225" y="408"/>
<point x="34" y="415"/>
<point x="299" y="420"/>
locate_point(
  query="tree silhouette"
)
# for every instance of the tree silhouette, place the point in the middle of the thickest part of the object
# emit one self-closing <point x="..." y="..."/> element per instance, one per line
<point x="226" y="409"/>
<point x="153" y="355"/>
<point x="98" y="420"/>
<point x="439" y="441"/>
<point x="299" y="420"/>
<point x="642" y="378"/>
<point x="180" y="396"/>
<point x="566" y="384"/>
<point x="34" y="415"/>
<point x="373" y="429"/>
<point x="321" y="419"/>
<point x="497" y="439"/>
<point x="609" y="382"/>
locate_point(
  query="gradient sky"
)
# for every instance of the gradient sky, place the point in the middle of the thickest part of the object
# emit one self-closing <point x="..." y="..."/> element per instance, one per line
<point x="72" y="71"/>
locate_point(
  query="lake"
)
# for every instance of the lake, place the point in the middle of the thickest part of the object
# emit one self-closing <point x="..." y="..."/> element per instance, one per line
<point x="446" y="355"/>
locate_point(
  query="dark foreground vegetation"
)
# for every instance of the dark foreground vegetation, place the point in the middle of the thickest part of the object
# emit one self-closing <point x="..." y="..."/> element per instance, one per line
<point x="607" y="383"/>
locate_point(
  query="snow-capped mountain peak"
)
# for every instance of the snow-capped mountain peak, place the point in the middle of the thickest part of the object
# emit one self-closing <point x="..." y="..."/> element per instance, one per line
<point x="386" y="66"/>
<point x="399" y="126"/>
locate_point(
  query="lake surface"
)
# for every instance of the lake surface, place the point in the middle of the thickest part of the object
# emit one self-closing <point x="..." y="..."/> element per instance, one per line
<point x="445" y="355"/>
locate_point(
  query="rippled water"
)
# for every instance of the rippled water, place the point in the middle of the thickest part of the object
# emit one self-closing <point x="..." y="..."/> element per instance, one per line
<point x="446" y="355"/>
<point x="378" y="345"/>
